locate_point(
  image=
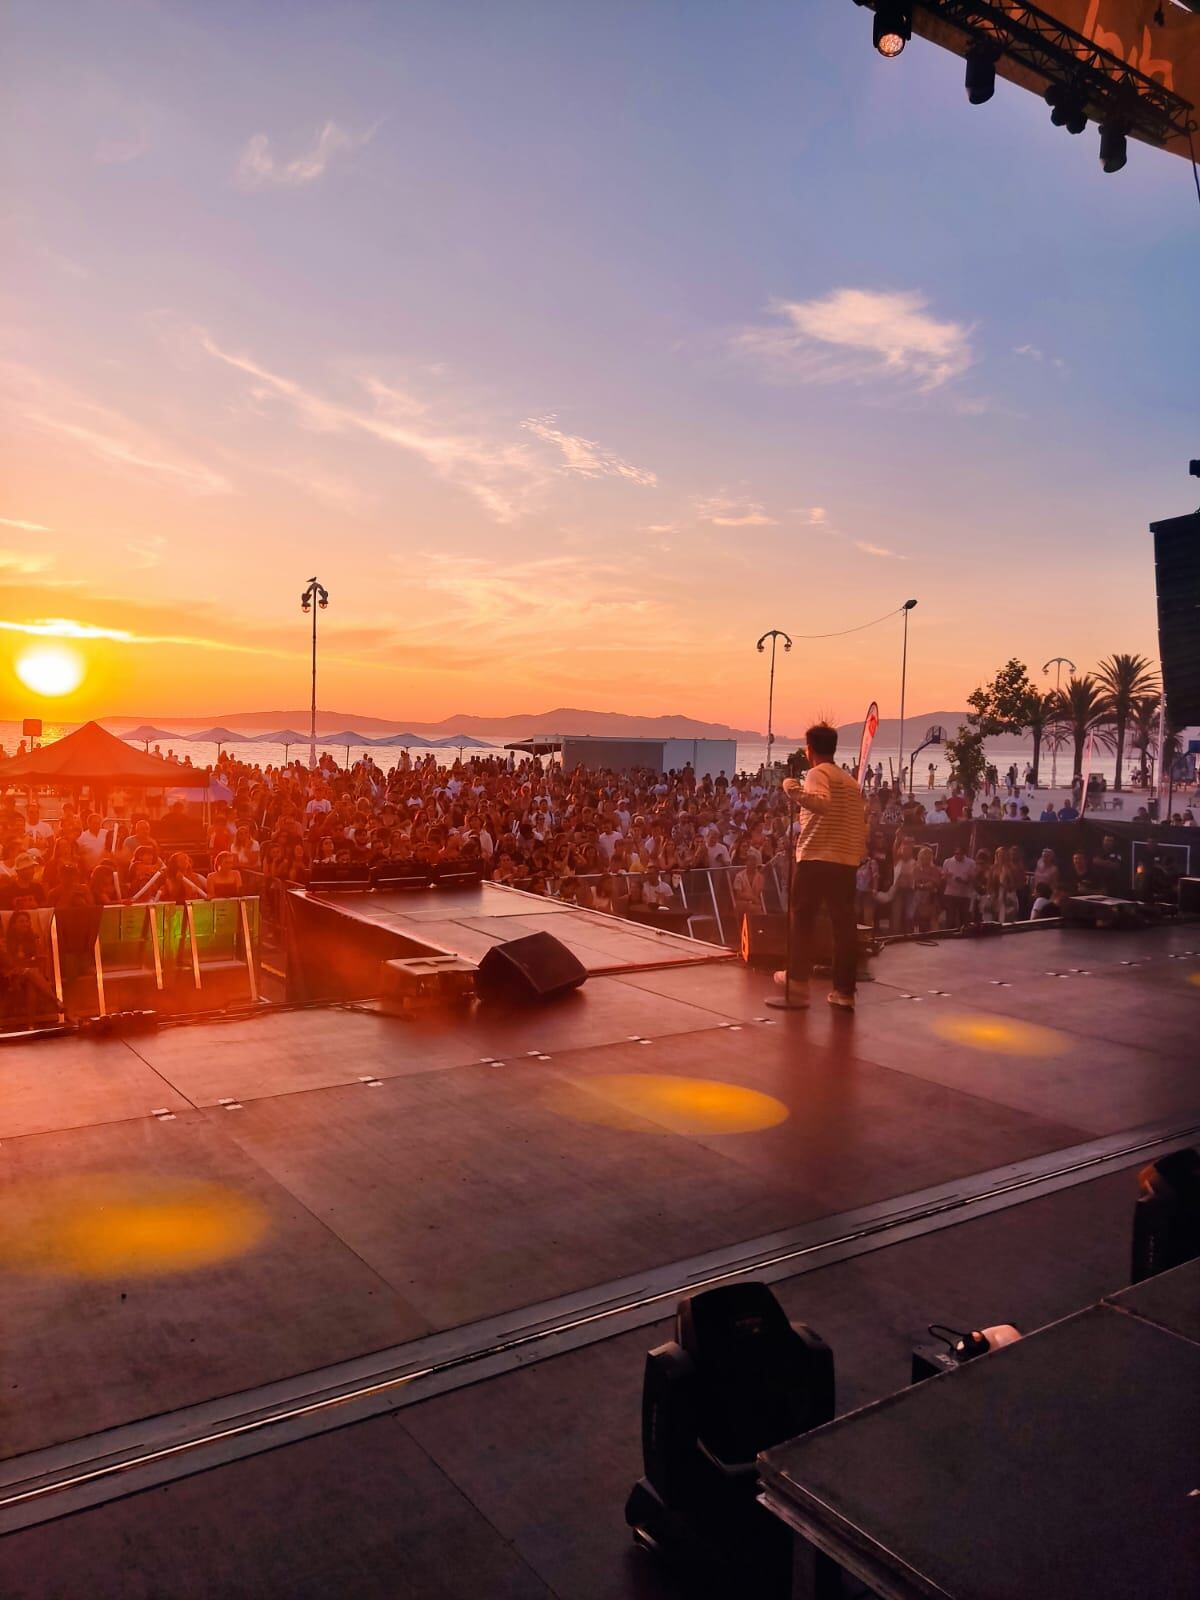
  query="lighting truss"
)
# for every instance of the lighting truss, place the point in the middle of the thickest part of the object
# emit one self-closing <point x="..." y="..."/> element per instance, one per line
<point x="1044" y="51"/>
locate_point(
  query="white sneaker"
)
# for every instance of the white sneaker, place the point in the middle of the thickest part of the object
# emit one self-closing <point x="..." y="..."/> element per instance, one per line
<point x="843" y="1002"/>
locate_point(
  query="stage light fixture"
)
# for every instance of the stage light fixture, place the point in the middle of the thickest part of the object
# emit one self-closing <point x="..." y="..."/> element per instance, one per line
<point x="737" y="1378"/>
<point x="1113" y="153"/>
<point x="893" y="26"/>
<point x="1166" y="1218"/>
<point x="1066" y="108"/>
<point x="981" y="73"/>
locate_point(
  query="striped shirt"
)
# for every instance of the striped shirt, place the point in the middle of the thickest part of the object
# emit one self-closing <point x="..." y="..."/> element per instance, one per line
<point x="832" y="823"/>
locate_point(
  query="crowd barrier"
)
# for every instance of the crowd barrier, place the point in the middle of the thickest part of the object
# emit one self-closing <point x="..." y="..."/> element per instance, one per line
<point x="94" y="960"/>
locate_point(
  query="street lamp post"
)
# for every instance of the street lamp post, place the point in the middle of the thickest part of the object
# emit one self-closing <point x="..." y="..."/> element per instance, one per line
<point x="320" y="595"/>
<point x="774" y="635"/>
<point x="905" y="608"/>
<point x="1058" y="663"/>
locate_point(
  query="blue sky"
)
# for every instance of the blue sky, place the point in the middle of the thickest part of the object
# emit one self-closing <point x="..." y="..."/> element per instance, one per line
<point x="573" y="346"/>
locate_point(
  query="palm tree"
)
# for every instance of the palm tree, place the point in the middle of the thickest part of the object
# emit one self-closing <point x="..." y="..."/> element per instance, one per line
<point x="1081" y="707"/>
<point x="1124" y="679"/>
<point x="1041" y="714"/>
<point x="1143" y="729"/>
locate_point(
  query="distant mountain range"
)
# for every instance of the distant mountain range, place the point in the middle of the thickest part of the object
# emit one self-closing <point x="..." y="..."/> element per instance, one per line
<point x="563" y="719"/>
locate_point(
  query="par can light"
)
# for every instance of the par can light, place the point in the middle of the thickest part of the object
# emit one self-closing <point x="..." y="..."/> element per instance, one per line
<point x="893" y="26"/>
<point x="981" y="74"/>
<point x="1113" y="153"/>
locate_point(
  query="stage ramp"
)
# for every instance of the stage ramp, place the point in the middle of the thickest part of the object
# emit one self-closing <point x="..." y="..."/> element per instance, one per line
<point x="336" y="941"/>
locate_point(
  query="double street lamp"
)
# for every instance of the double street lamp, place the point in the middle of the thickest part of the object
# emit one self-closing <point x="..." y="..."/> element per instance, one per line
<point x="905" y="608"/>
<point x="314" y="598"/>
<point x="775" y="634"/>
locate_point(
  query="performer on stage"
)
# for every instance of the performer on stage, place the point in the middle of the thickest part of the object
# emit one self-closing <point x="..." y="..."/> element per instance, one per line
<point x="830" y="843"/>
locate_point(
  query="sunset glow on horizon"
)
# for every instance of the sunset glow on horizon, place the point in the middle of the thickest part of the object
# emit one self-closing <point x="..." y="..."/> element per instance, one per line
<point x="567" y="383"/>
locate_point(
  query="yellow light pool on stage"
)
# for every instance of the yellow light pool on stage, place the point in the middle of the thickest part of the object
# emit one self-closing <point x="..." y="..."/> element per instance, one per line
<point x="113" y="1226"/>
<point x="1004" y="1036"/>
<point x="683" y="1105"/>
<point x="50" y="669"/>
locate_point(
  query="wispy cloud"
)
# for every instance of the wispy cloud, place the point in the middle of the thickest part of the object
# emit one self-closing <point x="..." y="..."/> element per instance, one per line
<point x="1032" y="353"/>
<point x="546" y="604"/>
<point x="584" y="456"/>
<point x="877" y="550"/>
<point x="330" y="488"/>
<point x="69" y="628"/>
<point x="811" y="516"/>
<point x="147" y="552"/>
<point x="258" y="167"/>
<point x="19" y="561"/>
<point x="65" y="628"/>
<point x="62" y="263"/>
<point x="117" y="440"/>
<point x="503" y="474"/>
<point x="725" y="513"/>
<point x="120" y="149"/>
<point x="500" y="475"/>
<point x="860" y="335"/>
<point x="26" y="527"/>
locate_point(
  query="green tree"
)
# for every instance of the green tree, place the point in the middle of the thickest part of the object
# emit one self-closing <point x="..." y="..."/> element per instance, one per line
<point x="1081" y="707"/>
<point x="1007" y="704"/>
<point x="1012" y="703"/>
<point x="1125" y="679"/>
<point x="967" y="761"/>
<point x="1042" y="711"/>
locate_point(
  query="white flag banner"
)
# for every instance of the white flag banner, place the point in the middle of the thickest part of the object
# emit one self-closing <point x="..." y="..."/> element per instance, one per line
<point x="870" y="728"/>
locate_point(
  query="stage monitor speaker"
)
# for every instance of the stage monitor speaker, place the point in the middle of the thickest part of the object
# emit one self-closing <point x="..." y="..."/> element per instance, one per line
<point x="1102" y="911"/>
<point x="764" y="938"/>
<point x="334" y="877"/>
<point x="1177" y="577"/>
<point x="538" y="967"/>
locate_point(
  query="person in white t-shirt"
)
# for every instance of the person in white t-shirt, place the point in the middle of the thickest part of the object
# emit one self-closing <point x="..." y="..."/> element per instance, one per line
<point x="961" y="874"/>
<point x="93" y="842"/>
<point x="718" y="850"/>
<point x="606" y="840"/>
<point x="938" y="815"/>
<point x="39" y="831"/>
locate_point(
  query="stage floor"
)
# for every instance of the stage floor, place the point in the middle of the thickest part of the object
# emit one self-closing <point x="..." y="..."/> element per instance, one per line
<point x="210" y="1208"/>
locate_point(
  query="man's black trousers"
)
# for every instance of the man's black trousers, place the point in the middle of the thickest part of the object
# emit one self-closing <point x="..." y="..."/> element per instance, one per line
<point x="828" y="883"/>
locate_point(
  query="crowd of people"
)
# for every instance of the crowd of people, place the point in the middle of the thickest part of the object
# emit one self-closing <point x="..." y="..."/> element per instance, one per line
<point x="903" y="885"/>
<point x="601" y="839"/>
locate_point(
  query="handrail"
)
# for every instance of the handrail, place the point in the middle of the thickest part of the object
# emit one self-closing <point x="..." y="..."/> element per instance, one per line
<point x="153" y="941"/>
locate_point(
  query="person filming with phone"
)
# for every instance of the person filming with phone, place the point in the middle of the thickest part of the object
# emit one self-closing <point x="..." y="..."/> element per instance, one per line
<point x="831" y="841"/>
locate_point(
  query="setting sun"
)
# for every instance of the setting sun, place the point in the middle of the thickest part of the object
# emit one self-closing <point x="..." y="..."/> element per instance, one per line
<point x="50" y="669"/>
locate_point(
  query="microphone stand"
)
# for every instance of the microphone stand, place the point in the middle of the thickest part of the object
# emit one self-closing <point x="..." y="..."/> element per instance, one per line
<point x="784" y="1001"/>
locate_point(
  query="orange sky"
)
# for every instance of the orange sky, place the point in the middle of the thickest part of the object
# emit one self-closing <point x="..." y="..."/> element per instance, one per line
<point x="568" y="420"/>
